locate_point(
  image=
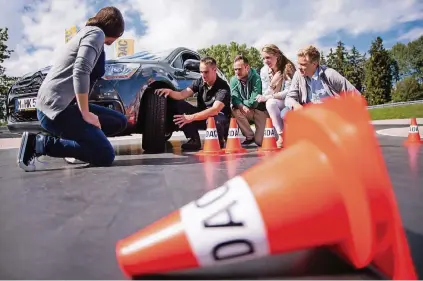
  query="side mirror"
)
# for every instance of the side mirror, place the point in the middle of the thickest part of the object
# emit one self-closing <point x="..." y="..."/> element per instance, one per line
<point x="192" y="65"/>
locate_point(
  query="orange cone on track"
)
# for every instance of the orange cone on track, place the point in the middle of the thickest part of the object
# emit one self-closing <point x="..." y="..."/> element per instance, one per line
<point x="211" y="141"/>
<point x="269" y="138"/>
<point x="341" y="196"/>
<point x="413" y="134"/>
<point x="233" y="144"/>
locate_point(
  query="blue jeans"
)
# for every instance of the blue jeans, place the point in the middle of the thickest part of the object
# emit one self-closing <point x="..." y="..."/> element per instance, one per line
<point x="73" y="137"/>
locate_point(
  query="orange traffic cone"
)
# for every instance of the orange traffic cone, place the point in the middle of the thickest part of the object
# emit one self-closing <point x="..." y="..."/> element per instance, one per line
<point x="349" y="203"/>
<point x="413" y="134"/>
<point x="234" y="141"/>
<point x="269" y="138"/>
<point x="211" y="141"/>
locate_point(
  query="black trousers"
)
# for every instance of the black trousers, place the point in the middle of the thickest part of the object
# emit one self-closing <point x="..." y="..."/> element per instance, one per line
<point x="179" y="107"/>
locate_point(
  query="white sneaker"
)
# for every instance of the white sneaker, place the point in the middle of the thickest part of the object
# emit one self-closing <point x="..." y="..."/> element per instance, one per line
<point x="71" y="160"/>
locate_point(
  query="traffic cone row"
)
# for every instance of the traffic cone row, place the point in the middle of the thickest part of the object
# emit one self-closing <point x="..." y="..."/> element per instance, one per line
<point x="413" y="134"/>
<point x="233" y="145"/>
<point x="329" y="187"/>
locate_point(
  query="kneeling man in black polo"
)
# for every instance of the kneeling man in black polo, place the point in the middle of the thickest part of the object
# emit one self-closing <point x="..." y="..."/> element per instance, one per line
<point x="213" y="99"/>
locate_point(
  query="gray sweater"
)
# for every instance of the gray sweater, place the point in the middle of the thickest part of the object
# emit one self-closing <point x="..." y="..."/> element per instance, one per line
<point x="333" y="82"/>
<point x="70" y="73"/>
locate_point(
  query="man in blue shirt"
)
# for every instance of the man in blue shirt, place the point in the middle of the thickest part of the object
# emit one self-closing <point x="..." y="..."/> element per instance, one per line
<point x="312" y="82"/>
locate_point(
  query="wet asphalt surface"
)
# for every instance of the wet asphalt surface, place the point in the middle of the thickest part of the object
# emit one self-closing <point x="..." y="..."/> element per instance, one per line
<point x="63" y="222"/>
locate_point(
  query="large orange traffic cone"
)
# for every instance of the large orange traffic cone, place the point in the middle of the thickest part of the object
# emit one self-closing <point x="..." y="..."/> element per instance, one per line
<point x="211" y="141"/>
<point x="234" y="141"/>
<point x="413" y="134"/>
<point x="269" y="138"/>
<point x="341" y="195"/>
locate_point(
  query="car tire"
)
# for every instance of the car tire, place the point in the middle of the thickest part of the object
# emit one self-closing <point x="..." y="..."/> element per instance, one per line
<point x="154" y="135"/>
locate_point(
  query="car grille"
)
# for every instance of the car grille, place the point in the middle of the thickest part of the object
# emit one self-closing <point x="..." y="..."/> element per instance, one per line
<point x="26" y="87"/>
<point x="29" y="85"/>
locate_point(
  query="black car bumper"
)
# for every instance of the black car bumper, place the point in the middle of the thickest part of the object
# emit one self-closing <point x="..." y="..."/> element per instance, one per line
<point x="20" y="127"/>
<point x="27" y="121"/>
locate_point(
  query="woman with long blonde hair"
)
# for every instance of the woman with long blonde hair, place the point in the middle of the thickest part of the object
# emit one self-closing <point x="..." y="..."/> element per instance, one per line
<point x="276" y="76"/>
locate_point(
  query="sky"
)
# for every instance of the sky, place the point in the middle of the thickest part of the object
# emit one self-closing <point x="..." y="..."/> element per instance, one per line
<point x="37" y="27"/>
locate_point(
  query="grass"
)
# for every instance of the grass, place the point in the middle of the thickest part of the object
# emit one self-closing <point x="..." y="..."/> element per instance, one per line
<point x="398" y="112"/>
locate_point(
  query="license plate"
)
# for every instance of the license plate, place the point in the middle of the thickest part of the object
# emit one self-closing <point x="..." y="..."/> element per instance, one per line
<point x="25" y="104"/>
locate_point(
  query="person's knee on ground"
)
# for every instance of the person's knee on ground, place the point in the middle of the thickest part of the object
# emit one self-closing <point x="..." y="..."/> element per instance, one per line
<point x="102" y="156"/>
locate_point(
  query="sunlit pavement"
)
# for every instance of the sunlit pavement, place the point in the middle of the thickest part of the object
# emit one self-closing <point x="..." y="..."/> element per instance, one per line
<point x="62" y="222"/>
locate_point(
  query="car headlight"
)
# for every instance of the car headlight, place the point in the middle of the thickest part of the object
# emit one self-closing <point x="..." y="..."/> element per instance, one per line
<point x="120" y="71"/>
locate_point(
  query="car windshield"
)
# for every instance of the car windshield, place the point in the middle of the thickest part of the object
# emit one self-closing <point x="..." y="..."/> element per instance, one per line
<point x="148" y="55"/>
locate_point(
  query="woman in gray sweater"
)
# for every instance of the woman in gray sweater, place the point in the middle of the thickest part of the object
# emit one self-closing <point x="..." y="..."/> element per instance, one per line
<point x="78" y="129"/>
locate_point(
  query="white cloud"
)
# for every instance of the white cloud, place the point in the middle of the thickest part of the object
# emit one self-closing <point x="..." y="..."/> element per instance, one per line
<point x="291" y="24"/>
<point x="413" y="34"/>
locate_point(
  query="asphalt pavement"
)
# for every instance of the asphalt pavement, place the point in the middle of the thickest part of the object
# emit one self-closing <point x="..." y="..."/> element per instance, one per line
<point x="63" y="222"/>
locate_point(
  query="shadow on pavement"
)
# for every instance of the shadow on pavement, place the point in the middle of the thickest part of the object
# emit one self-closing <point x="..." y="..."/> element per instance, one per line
<point x="415" y="242"/>
<point x="308" y="264"/>
<point x="184" y="159"/>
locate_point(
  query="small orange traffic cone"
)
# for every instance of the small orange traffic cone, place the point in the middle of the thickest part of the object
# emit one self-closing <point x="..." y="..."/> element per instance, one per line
<point x="211" y="141"/>
<point x="413" y="134"/>
<point x="234" y="141"/>
<point x="269" y="138"/>
<point x="349" y="205"/>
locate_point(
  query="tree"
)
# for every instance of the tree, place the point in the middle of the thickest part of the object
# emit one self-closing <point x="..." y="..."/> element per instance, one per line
<point x="409" y="58"/>
<point x="322" y="59"/>
<point x="225" y="54"/>
<point x="408" y="89"/>
<point x="5" y="81"/>
<point x="379" y="74"/>
<point x="331" y="59"/>
<point x="340" y="58"/>
<point x="355" y="70"/>
<point x="400" y="53"/>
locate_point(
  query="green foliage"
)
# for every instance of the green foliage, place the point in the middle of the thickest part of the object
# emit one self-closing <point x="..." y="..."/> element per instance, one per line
<point x="397" y="112"/>
<point x="340" y="58"/>
<point x="379" y="74"/>
<point x="322" y="59"/>
<point x="408" y="89"/>
<point x="331" y="60"/>
<point x="409" y="58"/>
<point x="5" y="81"/>
<point x="354" y="68"/>
<point x="5" y="53"/>
<point x="225" y="54"/>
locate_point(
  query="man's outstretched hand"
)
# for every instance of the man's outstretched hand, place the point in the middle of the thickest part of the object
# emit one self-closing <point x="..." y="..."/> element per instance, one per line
<point x="163" y="92"/>
<point x="181" y="120"/>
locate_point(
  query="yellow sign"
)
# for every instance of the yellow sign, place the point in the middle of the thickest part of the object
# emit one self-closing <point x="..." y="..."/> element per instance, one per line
<point x="124" y="47"/>
<point x="69" y="33"/>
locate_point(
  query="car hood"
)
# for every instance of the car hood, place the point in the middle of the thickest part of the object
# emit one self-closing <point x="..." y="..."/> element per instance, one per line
<point x="43" y="70"/>
<point x="46" y="69"/>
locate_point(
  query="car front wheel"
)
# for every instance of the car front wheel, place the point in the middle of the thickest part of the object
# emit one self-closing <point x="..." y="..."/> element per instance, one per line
<point x="154" y="114"/>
